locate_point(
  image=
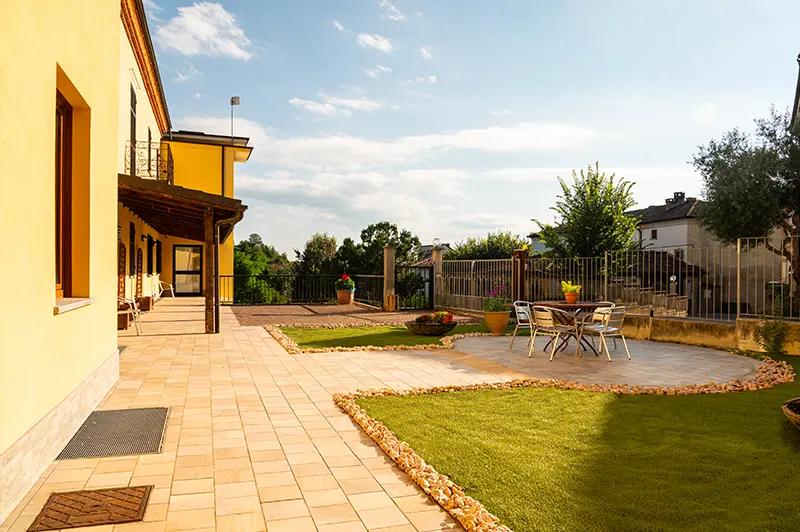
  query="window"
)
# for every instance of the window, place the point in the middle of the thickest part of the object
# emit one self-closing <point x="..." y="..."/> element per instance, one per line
<point x="653" y="234"/>
<point x="150" y="244"/>
<point x="158" y="256"/>
<point x="132" y="241"/>
<point x="63" y="197"/>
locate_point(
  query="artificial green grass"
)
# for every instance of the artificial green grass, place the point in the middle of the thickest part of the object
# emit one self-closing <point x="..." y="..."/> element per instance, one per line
<point x="549" y="459"/>
<point x="363" y="336"/>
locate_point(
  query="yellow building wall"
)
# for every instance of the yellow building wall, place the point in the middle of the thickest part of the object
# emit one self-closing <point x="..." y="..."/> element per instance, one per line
<point x="43" y="357"/>
<point x="131" y="77"/>
<point x="198" y="166"/>
<point x="150" y="285"/>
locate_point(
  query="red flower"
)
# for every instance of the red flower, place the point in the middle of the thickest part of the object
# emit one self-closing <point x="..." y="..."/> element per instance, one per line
<point x="345" y="277"/>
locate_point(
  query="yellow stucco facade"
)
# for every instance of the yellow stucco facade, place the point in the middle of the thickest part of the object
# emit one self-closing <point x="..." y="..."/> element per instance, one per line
<point x="58" y="349"/>
<point x="76" y="51"/>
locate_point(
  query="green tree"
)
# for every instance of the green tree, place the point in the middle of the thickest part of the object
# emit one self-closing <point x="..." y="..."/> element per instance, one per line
<point x="318" y="256"/>
<point x="253" y="263"/>
<point x="752" y="186"/>
<point x="499" y="245"/>
<point x="376" y="236"/>
<point x="593" y="218"/>
<point x="348" y="256"/>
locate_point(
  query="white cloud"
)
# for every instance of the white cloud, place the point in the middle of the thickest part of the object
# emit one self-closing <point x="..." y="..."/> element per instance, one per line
<point x="375" y="41"/>
<point x="333" y="106"/>
<point x="501" y="112"/>
<point x="338" y="26"/>
<point x="197" y="95"/>
<point x="390" y="12"/>
<point x="190" y="73"/>
<point x="152" y="9"/>
<point x="425" y="51"/>
<point x="704" y="114"/>
<point x="340" y="152"/>
<point x="423" y="79"/>
<point x="528" y="174"/>
<point x="376" y="72"/>
<point x="205" y="28"/>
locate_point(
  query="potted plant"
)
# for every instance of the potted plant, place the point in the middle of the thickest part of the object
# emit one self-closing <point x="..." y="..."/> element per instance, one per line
<point x="435" y="324"/>
<point x="496" y="310"/>
<point x="345" y="290"/>
<point x="571" y="291"/>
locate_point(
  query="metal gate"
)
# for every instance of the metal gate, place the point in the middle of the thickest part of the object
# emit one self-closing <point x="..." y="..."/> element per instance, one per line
<point x="414" y="287"/>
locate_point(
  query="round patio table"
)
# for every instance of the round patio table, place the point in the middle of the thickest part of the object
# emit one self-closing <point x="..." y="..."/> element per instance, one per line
<point x="574" y="309"/>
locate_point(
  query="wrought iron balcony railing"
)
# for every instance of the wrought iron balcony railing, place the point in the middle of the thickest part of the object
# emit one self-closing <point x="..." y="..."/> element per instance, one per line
<point x="149" y="160"/>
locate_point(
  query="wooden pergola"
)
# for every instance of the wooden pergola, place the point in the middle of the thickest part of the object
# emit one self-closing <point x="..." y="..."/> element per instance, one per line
<point x="186" y="213"/>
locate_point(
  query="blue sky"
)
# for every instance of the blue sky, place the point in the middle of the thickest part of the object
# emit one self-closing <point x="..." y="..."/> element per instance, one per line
<point x="454" y="118"/>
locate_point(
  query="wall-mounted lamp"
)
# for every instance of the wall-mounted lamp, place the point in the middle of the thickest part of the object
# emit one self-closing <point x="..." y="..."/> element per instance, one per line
<point x="235" y="100"/>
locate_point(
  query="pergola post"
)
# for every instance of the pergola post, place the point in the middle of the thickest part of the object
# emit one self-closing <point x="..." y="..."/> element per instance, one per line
<point x="208" y="267"/>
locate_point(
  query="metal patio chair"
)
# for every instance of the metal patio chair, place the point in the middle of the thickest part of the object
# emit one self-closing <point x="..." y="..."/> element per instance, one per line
<point x="133" y="310"/>
<point x="555" y="323"/>
<point x="522" y="310"/>
<point x="610" y="327"/>
<point x="163" y="287"/>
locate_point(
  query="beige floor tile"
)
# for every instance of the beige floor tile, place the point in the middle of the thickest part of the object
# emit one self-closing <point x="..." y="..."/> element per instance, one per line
<point x="109" y="480"/>
<point x="382" y="517"/>
<point x="298" y="524"/>
<point x="116" y="466"/>
<point x="317" y="482"/>
<point x="370" y="501"/>
<point x="278" y="510"/>
<point x="340" y="513"/>
<point x="237" y="505"/>
<point x="432" y="520"/>
<point x="189" y="519"/>
<point x="415" y="503"/>
<point x="138" y="527"/>
<point x="275" y="479"/>
<point x="191" y="501"/>
<point x="279" y="493"/>
<point x="351" y="472"/>
<point x="274" y="466"/>
<point x="230" y="476"/>
<point x="200" y="485"/>
<point x="350" y="526"/>
<point x="359" y="485"/>
<point x="325" y="497"/>
<point x="250" y="522"/>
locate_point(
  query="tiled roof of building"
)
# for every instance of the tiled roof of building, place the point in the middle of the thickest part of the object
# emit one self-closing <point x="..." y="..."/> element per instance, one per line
<point x="678" y="207"/>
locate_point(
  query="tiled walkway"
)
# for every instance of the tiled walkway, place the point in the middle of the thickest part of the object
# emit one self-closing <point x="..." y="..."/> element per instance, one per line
<point x="255" y="442"/>
<point x="254" y="439"/>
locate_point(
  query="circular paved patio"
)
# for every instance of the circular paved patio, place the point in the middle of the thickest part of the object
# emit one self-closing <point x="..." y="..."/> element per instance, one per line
<point x="651" y="364"/>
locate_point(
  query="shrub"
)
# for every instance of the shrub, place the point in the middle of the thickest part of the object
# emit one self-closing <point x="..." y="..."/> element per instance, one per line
<point x="345" y="283"/>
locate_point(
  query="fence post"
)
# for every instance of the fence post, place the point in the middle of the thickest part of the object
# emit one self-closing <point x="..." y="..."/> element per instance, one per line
<point x="389" y="297"/>
<point x="605" y="276"/>
<point x="518" y="274"/>
<point x="436" y="255"/>
<point x="738" y="277"/>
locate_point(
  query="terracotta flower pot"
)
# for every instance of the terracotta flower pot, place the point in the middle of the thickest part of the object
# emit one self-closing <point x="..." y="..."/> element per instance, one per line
<point x="571" y="297"/>
<point x="497" y="321"/>
<point x="345" y="297"/>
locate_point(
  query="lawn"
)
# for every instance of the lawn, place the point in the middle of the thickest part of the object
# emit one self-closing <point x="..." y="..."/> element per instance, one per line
<point x="308" y="338"/>
<point x="549" y="459"/>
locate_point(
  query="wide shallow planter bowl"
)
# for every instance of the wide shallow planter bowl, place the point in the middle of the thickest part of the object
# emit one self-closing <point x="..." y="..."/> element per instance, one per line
<point x="345" y="297"/>
<point x="792" y="410"/>
<point x="571" y="297"/>
<point x="430" y="329"/>
<point x="497" y="321"/>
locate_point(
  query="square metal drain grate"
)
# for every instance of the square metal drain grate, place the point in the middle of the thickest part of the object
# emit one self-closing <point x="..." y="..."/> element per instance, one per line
<point x="75" y="509"/>
<point x="118" y="433"/>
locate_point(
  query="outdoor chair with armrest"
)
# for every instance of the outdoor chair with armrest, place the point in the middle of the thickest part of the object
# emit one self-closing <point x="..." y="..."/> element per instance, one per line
<point x="610" y="327"/>
<point x="133" y="310"/>
<point x="522" y="310"/>
<point x="556" y="324"/>
<point x="163" y="287"/>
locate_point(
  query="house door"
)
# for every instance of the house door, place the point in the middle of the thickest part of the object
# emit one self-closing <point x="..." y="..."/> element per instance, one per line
<point x="187" y="270"/>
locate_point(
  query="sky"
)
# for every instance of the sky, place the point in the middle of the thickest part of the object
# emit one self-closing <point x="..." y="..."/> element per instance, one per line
<point x="454" y="118"/>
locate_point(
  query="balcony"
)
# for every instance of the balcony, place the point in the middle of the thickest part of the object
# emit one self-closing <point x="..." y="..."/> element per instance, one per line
<point x="149" y="160"/>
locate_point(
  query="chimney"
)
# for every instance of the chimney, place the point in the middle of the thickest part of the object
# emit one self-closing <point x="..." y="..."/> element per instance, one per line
<point x="676" y="199"/>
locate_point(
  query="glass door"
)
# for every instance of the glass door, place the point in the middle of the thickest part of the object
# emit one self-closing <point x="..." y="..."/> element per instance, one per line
<point x="187" y="269"/>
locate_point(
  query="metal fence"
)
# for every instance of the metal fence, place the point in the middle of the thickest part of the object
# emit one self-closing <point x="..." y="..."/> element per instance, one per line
<point x="277" y="289"/>
<point x="465" y="283"/>
<point x="414" y="287"/>
<point x="756" y="277"/>
<point x="369" y="289"/>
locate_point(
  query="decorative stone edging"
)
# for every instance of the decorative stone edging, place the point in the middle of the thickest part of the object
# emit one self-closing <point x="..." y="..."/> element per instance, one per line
<point x="291" y="346"/>
<point x="472" y="515"/>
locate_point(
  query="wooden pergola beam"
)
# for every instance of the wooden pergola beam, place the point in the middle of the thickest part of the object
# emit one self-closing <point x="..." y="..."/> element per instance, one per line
<point x="208" y="265"/>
